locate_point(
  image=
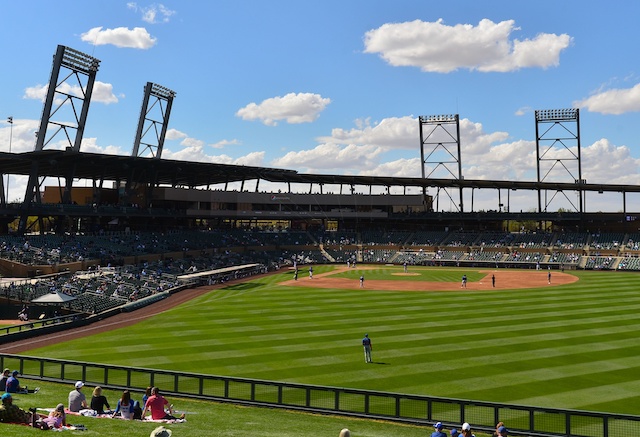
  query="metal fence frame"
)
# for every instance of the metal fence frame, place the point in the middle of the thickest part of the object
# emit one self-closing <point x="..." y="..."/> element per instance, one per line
<point x="415" y="409"/>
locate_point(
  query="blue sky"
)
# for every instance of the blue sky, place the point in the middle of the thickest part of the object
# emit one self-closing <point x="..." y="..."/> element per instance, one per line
<point x="337" y="86"/>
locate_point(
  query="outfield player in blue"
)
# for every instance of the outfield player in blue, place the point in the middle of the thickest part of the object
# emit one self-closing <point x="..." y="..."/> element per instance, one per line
<point x="366" y="343"/>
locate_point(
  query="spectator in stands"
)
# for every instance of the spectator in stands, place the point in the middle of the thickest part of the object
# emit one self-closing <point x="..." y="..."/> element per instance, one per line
<point x="3" y="379"/>
<point x="155" y="404"/>
<point x="57" y="418"/>
<point x="99" y="402"/>
<point x="345" y="433"/>
<point x="13" y="384"/>
<point x="466" y="430"/>
<point x="77" y="399"/>
<point x="125" y="406"/>
<point x="438" y="430"/>
<point x="10" y="413"/>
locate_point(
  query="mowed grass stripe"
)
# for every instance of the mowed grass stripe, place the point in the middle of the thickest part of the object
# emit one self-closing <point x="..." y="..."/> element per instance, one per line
<point x="500" y="345"/>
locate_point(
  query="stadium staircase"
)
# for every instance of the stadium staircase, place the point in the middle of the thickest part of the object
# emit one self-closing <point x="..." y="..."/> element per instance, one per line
<point x="326" y="254"/>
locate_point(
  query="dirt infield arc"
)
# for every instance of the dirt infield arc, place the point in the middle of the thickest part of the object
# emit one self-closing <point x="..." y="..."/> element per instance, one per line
<point x="505" y="279"/>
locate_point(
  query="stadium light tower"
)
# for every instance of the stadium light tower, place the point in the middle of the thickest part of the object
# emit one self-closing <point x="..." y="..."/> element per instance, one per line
<point x="66" y="94"/>
<point x="558" y="153"/>
<point x="73" y="75"/>
<point x="161" y="106"/>
<point x="440" y="147"/>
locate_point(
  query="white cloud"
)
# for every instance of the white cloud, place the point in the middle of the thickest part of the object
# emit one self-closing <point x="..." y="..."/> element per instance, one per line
<point x="293" y="108"/>
<point x="331" y="156"/>
<point x="174" y="134"/>
<point x="136" y="38"/>
<point x="22" y="136"/>
<point x="195" y="153"/>
<point x="614" y="101"/>
<point x="155" y="13"/>
<point x="102" y="92"/>
<point x="603" y="162"/>
<point x="406" y="168"/>
<point x="90" y="145"/>
<point x="223" y="143"/>
<point x="487" y="47"/>
<point x="390" y="133"/>
<point x="523" y="111"/>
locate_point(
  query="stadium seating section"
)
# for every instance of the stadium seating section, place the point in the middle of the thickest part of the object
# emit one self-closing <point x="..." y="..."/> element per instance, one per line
<point x="111" y="283"/>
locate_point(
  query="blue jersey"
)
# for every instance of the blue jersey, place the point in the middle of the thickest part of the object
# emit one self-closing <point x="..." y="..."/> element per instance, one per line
<point x="366" y="341"/>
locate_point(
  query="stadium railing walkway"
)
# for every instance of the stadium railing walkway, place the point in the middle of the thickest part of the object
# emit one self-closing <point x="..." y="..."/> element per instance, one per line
<point x="416" y="409"/>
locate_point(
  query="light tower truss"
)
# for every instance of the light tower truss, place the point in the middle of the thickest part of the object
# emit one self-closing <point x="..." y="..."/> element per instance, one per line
<point x="73" y="76"/>
<point x="440" y="154"/>
<point x="71" y="94"/>
<point x="558" y="155"/>
<point x="154" y="117"/>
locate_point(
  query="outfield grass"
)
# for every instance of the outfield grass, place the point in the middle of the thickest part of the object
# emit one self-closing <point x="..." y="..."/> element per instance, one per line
<point x="572" y="346"/>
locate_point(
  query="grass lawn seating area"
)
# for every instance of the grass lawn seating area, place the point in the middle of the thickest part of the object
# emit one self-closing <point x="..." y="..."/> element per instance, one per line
<point x="204" y="419"/>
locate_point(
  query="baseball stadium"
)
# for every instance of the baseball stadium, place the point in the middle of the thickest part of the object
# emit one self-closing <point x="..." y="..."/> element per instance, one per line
<point x="244" y="293"/>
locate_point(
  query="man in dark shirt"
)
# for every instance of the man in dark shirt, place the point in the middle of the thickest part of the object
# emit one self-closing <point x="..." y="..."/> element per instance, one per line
<point x="10" y="413"/>
<point x="366" y="343"/>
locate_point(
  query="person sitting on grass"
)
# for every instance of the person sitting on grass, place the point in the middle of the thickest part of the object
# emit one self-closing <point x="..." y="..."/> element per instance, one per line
<point x="99" y="402"/>
<point x="155" y="404"/>
<point x="10" y="413"/>
<point x="13" y="384"/>
<point x="125" y="406"/>
<point x="3" y="379"/>
<point x="77" y="399"/>
<point x="438" y="430"/>
<point x="57" y="418"/>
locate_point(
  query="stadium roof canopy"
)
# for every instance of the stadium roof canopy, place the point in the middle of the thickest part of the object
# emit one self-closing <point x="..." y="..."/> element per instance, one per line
<point x="81" y="165"/>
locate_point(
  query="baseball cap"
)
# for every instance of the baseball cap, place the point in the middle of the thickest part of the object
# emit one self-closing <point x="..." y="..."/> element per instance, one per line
<point x="79" y="384"/>
<point x="6" y="396"/>
<point x="438" y="425"/>
<point x="466" y="427"/>
<point x="503" y="430"/>
<point x="15" y="372"/>
<point x="454" y="432"/>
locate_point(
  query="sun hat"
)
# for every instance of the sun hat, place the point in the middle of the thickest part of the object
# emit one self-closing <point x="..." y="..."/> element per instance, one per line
<point x="466" y="427"/>
<point x="161" y="431"/>
<point x="79" y="384"/>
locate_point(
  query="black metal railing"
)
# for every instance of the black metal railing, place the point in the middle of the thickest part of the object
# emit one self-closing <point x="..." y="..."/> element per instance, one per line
<point x="522" y="420"/>
<point x="39" y="323"/>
